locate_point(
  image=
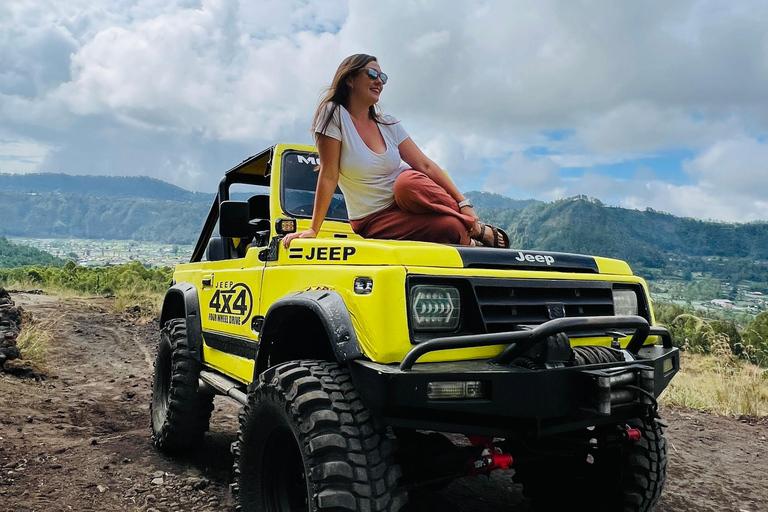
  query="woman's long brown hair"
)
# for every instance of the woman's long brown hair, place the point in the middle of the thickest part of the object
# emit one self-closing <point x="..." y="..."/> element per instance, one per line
<point x="338" y="92"/>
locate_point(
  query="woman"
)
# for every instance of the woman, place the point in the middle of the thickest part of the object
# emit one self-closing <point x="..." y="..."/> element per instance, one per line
<point x="391" y="188"/>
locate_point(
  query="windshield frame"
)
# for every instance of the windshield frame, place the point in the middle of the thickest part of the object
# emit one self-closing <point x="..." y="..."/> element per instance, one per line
<point x="284" y="169"/>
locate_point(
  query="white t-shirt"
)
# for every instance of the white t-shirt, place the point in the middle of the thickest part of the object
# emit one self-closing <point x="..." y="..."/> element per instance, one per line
<point x="366" y="178"/>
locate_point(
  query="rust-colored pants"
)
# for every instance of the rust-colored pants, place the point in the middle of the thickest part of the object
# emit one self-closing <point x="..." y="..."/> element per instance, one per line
<point x="423" y="211"/>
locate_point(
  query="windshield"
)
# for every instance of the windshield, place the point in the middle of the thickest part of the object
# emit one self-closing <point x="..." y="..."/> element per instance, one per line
<point x="299" y="182"/>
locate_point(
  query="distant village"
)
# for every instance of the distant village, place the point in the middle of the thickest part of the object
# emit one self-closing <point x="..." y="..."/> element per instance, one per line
<point x="101" y="253"/>
<point x="750" y="301"/>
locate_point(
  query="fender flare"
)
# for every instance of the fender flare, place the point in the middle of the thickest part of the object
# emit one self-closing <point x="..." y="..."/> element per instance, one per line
<point x="330" y="309"/>
<point x="181" y="302"/>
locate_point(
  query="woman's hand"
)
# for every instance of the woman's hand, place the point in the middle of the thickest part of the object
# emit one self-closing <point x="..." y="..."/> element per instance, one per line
<point x="310" y="233"/>
<point x="468" y="210"/>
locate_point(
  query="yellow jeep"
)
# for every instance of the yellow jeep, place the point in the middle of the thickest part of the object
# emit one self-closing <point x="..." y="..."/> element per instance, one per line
<point x="352" y="357"/>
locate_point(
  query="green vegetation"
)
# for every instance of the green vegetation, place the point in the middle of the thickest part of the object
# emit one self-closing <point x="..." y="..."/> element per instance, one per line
<point x="135" y="287"/>
<point x="12" y="255"/>
<point x="712" y="333"/>
<point x="719" y="383"/>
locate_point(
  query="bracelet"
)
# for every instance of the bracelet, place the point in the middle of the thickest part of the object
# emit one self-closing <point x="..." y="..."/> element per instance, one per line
<point x="466" y="202"/>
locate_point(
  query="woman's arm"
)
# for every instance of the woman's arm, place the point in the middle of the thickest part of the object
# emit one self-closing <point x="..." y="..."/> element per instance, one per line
<point x="412" y="155"/>
<point x="329" y="150"/>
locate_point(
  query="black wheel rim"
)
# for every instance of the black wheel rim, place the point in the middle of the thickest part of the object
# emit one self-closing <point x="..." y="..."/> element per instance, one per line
<point x="284" y="484"/>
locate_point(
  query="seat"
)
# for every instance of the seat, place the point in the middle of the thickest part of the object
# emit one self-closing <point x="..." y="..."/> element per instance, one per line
<point x="258" y="208"/>
<point x="215" y="249"/>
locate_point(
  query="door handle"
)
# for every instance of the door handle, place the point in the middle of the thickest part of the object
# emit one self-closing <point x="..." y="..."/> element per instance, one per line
<point x="207" y="281"/>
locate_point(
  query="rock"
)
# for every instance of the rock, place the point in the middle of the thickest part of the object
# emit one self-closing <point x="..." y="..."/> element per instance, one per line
<point x="101" y="488"/>
<point x="158" y="474"/>
<point x="20" y="368"/>
<point x="157" y="481"/>
<point x="8" y="353"/>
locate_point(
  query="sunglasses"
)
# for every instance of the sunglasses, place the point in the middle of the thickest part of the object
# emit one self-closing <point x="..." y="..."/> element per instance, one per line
<point x="373" y="75"/>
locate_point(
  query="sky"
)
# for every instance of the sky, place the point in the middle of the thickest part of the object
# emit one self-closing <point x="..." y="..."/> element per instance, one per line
<point x="652" y="104"/>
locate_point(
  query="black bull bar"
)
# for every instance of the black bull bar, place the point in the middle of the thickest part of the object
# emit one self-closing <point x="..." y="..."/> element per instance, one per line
<point x="545" y="401"/>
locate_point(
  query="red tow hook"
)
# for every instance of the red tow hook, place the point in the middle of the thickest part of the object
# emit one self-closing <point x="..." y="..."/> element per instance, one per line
<point x="491" y="458"/>
<point x="633" y="434"/>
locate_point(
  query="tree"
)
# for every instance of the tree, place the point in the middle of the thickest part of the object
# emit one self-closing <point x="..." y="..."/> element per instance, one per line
<point x="729" y="329"/>
<point x="755" y="339"/>
<point x="692" y="332"/>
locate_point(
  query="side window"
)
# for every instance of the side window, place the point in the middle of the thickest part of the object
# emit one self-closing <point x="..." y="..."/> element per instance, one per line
<point x="299" y="182"/>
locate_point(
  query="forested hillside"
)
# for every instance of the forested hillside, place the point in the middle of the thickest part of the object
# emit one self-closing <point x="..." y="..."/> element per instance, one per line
<point x="71" y="216"/>
<point x="582" y="225"/>
<point x="12" y="255"/>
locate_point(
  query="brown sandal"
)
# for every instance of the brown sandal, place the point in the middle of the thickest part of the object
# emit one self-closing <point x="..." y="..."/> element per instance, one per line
<point x="496" y="231"/>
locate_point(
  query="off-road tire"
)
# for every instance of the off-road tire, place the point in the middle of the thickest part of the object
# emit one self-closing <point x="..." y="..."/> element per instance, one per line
<point x="179" y="413"/>
<point x="307" y="443"/>
<point x="625" y="479"/>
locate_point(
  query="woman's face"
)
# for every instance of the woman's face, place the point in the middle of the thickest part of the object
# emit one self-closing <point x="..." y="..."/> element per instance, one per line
<point x="363" y="87"/>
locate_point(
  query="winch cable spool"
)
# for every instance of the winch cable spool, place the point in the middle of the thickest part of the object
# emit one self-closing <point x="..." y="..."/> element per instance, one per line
<point x="591" y="354"/>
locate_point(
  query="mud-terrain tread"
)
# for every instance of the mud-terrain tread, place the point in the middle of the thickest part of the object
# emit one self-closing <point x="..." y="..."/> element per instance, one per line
<point x="347" y="455"/>
<point x="188" y="411"/>
<point x="646" y="467"/>
<point x="633" y="484"/>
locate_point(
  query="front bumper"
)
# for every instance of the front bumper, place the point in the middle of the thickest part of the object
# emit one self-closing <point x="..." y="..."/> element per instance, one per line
<point x="520" y="402"/>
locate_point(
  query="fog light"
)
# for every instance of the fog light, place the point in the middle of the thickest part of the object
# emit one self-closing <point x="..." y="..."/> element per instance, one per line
<point x="435" y="308"/>
<point x="285" y="226"/>
<point x="363" y="285"/>
<point x="455" y="389"/>
<point x="667" y="366"/>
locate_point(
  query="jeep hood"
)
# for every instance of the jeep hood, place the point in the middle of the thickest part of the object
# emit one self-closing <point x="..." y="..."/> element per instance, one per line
<point x="424" y="254"/>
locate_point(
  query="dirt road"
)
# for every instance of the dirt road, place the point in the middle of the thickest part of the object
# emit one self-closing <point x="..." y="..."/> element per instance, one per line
<point x="79" y="440"/>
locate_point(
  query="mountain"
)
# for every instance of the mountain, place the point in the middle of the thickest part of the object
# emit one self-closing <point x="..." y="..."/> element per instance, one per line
<point x="100" y="186"/>
<point x="585" y="225"/>
<point x="48" y="215"/>
<point x="62" y="206"/>
<point x="491" y="200"/>
<point x="12" y="255"/>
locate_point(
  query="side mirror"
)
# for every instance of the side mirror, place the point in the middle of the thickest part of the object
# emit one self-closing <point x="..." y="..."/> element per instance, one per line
<point x="234" y="220"/>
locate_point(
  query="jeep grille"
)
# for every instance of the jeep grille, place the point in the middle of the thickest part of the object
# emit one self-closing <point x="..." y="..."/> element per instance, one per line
<point x="505" y="304"/>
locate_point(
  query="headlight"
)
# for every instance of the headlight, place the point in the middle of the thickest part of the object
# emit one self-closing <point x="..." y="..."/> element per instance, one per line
<point x="624" y="302"/>
<point x="435" y="308"/>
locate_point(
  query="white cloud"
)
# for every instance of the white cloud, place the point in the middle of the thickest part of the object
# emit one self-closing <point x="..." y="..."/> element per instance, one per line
<point x="696" y="201"/>
<point x="643" y="126"/>
<point x="430" y="42"/>
<point x="519" y="173"/>
<point x="196" y="85"/>
<point x="21" y="156"/>
<point x="736" y="166"/>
